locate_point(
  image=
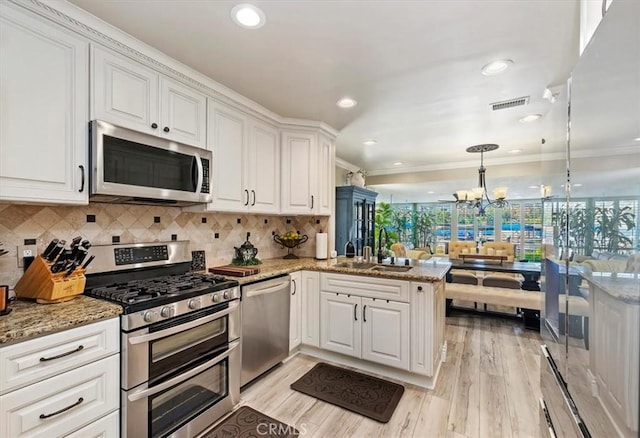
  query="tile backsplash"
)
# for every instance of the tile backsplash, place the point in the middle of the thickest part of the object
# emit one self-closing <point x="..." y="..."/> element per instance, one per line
<point x="103" y="224"/>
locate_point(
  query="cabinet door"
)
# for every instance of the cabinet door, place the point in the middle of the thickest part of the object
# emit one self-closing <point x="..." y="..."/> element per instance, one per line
<point x="299" y="173"/>
<point x="106" y="427"/>
<point x="340" y="326"/>
<point x="44" y="74"/>
<point x="422" y="332"/>
<point x="227" y="138"/>
<point x="311" y="308"/>
<point x="124" y="92"/>
<point x="295" y="320"/>
<point x="385" y="332"/>
<point x="264" y="168"/>
<point x="182" y="113"/>
<point x="325" y="176"/>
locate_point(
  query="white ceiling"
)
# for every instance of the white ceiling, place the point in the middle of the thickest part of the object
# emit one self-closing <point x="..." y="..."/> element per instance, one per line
<point x="413" y="66"/>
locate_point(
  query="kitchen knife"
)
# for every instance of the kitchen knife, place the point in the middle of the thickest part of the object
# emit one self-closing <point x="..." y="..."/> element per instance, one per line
<point x="49" y="248"/>
<point x="88" y="261"/>
<point x="75" y="244"/>
<point x="72" y="268"/>
<point x="80" y="256"/>
<point x="55" y="251"/>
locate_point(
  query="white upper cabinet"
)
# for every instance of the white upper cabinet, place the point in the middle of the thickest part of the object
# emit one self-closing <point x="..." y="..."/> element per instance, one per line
<point x="182" y="113"/>
<point x="128" y="94"/>
<point x="263" y="167"/>
<point x="307" y="162"/>
<point x="246" y="155"/>
<point x="44" y="73"/>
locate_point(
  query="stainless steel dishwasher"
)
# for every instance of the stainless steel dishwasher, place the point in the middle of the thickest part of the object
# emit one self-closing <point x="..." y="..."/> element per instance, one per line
<point x="265" y="326"/>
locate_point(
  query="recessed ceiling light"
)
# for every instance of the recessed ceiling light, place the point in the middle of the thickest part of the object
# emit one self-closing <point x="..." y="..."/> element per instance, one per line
<point x="430" y="192"/>
<point x="577" y="185"/>
<point x="248" y="16"/>
<point x="636" y="139"/>
<point x="369" y="142"/>
<point x="397" y="163"/>
<point x="496" y="67"/>
<point x="530" y="118"/>
<point x="515" y="151"/>
<point x="534" y="187"/>
<point x="346" y="102"/>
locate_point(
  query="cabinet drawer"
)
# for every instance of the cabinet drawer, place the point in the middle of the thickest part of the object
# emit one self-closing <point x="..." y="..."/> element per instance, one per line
<point x="105" y="427"/>
<point x="31" y="361"/>
<point x="67" y="402"/>
<point x="372" y="287"/>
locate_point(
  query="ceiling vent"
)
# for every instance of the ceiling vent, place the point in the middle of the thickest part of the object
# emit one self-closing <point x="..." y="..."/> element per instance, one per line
<point x="519" y="101"/>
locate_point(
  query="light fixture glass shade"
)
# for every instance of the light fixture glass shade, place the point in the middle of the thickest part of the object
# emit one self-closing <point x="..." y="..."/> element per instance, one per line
<point x="462" y="195"/>
<point x="500" y="192"/>
<point x="477" y="192"/>
<point x="545" y="191"/>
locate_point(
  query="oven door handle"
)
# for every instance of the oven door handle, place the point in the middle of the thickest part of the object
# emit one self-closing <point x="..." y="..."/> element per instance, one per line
<point x="179" y="328"/>
<point x="145" y="393"/>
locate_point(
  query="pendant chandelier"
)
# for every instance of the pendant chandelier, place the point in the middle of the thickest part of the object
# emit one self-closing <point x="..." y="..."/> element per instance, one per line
<point x="478" y="197"/>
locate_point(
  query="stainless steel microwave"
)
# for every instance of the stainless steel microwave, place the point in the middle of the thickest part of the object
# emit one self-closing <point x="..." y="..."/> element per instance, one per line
<point x="136" y="168"/>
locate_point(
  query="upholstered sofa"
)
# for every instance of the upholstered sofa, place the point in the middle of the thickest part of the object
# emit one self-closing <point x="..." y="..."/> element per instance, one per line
<point x="457" y="247"/>
<point x="607" y="262"/>
<point x="399" y="250"/>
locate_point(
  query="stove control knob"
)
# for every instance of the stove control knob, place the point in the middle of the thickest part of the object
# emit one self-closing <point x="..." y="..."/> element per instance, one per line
<point x="150" y="316"/>
<point x="194" y="304"/>
<point x="167" y="312"/>
<point x="226" y="295"/>
<point x="217" y="298"/>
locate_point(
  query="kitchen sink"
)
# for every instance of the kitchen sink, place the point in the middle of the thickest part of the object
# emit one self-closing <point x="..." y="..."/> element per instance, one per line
<point x="355" y="265"/>
<point x="389" y="268"/>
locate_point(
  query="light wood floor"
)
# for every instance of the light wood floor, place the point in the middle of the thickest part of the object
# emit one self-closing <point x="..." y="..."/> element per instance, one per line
<point x="488" y="387"/>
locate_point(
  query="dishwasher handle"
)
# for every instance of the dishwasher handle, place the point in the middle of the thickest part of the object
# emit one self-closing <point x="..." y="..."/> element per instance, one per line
<point x="271" y="288"/>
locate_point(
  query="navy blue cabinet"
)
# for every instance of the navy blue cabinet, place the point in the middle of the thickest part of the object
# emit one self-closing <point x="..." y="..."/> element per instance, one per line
<point x="355" y="217"/>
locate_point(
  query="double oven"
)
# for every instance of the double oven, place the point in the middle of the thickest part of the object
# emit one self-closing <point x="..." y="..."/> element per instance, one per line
<point x="180" y="341"/>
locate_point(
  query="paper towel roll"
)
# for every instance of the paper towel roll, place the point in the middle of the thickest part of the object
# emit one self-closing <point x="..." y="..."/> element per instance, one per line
<point x="321" y="246"/>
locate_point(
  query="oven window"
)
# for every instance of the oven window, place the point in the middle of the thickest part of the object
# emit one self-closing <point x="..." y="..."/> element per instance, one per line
<point x="174" y="352"/>
<point x="174" y="407"/>
<point x="131" y="163"/>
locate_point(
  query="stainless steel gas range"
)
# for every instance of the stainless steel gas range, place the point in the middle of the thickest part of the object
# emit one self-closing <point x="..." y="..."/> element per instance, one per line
<point x="180" y="338"/>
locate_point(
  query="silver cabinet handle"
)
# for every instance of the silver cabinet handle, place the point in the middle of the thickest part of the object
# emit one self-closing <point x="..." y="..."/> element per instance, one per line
<point x="144" y="393"/>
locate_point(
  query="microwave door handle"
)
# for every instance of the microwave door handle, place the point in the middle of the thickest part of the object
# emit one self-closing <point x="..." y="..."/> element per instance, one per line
<point x="196" y="173"/>
<point x="177" y="329"/>
<point x="144" y="393"/>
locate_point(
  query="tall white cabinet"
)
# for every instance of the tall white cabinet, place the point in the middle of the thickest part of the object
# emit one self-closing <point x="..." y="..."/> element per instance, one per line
<point x="44" y="88"/>
<point x="307" y="173"/>
<point x="127" y="93"/>
<point x="246" y="161"/>
<point x="295" y="308"/>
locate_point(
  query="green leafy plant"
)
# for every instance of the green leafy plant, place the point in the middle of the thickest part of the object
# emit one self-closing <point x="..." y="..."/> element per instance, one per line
<point x="610" y="225"/>
<point x="384" y="215"/>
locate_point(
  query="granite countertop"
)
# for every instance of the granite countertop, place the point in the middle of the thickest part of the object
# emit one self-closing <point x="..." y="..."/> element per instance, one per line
<point x="28" y="319"/>
<point x="422" y="270"/>
<point x="623" y="287"/>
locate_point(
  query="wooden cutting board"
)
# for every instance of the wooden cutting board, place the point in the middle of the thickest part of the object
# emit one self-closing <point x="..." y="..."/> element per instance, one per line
<point x="235" y="271"/>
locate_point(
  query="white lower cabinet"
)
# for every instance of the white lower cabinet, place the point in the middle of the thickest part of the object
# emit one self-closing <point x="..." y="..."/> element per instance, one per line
<point x="62" y="383"/>
<point x="427" y="326"/>
<point x="310" y="308"/>
<point x="106" y="427"/>
<point x="367" y="328"/>
<point x="295" y="318"/>
<point x="64" y="403"/>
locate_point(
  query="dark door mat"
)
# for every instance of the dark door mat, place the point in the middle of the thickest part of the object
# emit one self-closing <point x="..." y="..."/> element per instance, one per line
<point x="366" y="395"/>
<point x="246" y="422"/>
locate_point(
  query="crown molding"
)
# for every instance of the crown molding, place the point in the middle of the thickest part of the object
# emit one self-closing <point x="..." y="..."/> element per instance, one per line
<point x="344" y="164"/>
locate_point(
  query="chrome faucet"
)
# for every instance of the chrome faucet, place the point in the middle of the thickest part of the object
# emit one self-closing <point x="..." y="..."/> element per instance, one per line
<point x="386" y="237"/>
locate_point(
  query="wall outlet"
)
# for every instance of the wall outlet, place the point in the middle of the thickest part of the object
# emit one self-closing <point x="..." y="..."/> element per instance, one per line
<point x="25" y="251"/>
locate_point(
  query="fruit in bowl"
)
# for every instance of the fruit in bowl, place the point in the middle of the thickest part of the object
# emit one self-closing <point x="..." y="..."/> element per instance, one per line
<point x="290" y="240"/>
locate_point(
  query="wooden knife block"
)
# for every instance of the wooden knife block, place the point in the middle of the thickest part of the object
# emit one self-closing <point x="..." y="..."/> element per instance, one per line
<point x="45" y="287"/>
